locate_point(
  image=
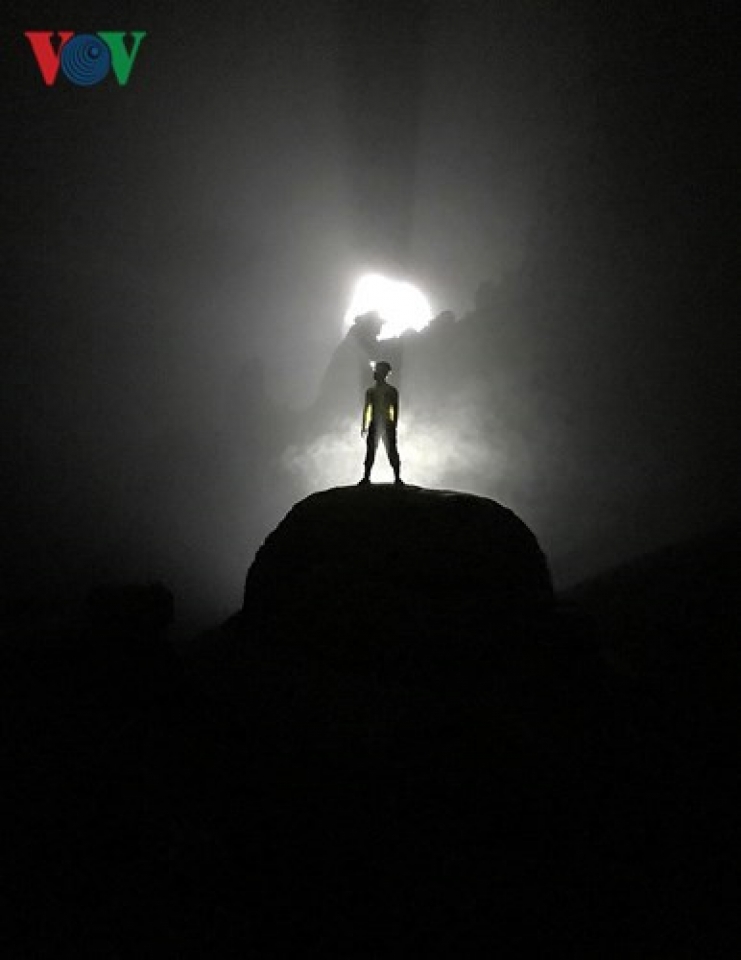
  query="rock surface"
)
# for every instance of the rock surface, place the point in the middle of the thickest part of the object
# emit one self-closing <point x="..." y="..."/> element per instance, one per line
<point x="256" y="799"/>
<point x="398" y="578"/>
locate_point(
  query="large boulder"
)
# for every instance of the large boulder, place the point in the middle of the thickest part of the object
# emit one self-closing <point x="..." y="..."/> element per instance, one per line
<point x="399" y="579"/>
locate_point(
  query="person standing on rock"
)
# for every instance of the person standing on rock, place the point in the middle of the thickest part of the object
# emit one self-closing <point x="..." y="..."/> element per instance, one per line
<point x="380" y="419"/>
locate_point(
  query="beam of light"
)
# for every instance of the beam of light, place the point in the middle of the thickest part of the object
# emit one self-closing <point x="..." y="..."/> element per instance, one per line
<point x="400" y="305"/>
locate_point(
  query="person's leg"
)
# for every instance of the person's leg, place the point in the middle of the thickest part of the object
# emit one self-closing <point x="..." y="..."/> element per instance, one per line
<point x="392" y="452"/>
<point x="370" y="452"/>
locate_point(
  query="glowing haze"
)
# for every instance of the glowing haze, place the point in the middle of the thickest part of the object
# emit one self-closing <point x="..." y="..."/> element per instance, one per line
<point x="400" y="305"/>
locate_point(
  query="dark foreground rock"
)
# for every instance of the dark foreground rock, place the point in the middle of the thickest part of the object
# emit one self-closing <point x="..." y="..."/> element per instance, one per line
<point x="399" y="580"/>
<point x="273" y="795"/>
<point x="145" y="608"/>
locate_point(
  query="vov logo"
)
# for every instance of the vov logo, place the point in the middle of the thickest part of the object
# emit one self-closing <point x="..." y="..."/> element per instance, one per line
<point x="85" y="58"/>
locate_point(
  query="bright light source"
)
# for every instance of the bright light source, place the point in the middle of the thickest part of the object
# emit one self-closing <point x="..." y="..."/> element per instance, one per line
<point x="400" y="305"/>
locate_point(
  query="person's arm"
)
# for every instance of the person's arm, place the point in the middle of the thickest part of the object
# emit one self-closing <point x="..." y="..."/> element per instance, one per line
<point x="367" y="413"/>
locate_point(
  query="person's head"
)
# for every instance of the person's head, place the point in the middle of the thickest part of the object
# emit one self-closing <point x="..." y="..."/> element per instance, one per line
<point x="381" y="370"/>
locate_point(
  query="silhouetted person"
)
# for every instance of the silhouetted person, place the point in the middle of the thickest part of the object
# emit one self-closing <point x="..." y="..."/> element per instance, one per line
<point x="380" y="418"/>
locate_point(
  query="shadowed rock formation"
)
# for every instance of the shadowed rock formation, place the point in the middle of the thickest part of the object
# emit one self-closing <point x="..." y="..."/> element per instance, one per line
<point x="399" y="580"/>
<point x="148" y="609"/>
<point x="397" y="749"/>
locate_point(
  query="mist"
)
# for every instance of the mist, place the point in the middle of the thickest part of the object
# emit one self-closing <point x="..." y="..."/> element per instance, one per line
<point x="179" y="256"/>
